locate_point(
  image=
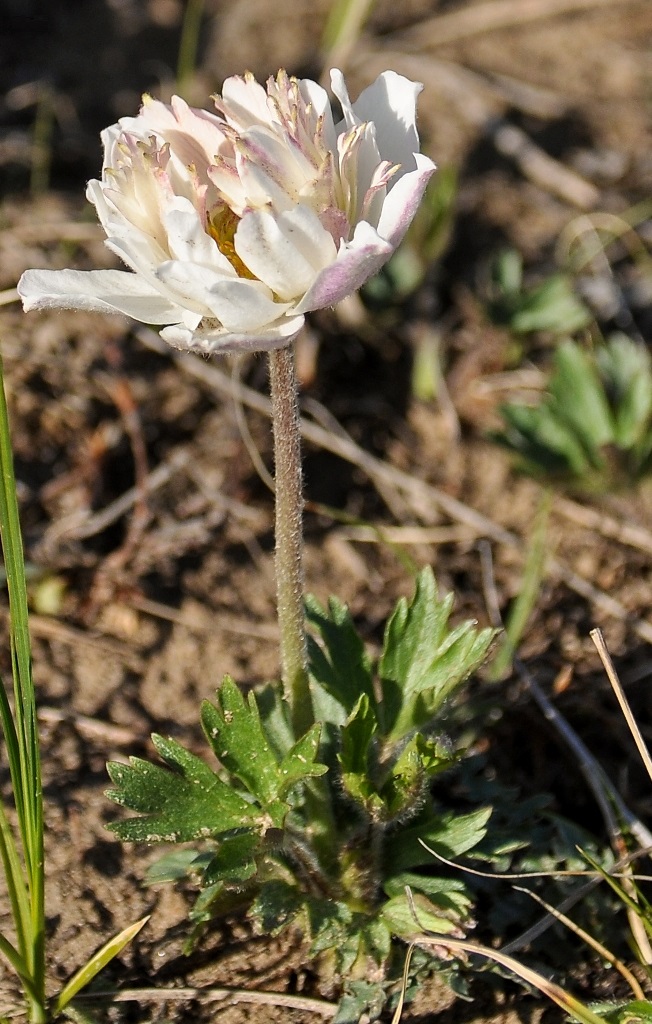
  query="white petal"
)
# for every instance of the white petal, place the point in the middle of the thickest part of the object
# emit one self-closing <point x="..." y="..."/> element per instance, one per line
<point x="187" y="239"/>
<point x="217" y="340"/>
<point x="338" y="85"/>
<point x="391" y="104"/>
<point x="403" y="200"/>
<point x="286" y="252"/>
<point x="239" y="304"/>
<point x="102" y="291"/>
<point x="357" y="261"/>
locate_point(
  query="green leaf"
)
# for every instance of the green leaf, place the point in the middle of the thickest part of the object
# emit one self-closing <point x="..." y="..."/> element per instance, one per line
<point x="419" y="760"/>
<point x="626" y="370"/>
<point x="277" y="904"/>
<point x="235" y="860"/>
<point x="552" y="306"/>
<point x="175" y="865"/>
<point x="578" y="397"/>
<point x="187" y="802"/>
<point x="300" y="762"/>
<point x="357" y="735"/>
<point x="362" y="1000"/>
<point x="329" y="922"/>
<point x="447" y="894"/>
<point x="507" y="272"/>
<point x="422" y="661"/>
<point x="448" y="834"/>
<point x="377" y="938"/>
<point x="638" y="1011"/>
<point x="235" y="732"/>
<point x="342" y="667"/>
<point x="409" y="918"/>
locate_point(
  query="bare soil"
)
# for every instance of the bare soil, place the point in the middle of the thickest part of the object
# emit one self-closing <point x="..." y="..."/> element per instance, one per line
<point x="159" y="599"/>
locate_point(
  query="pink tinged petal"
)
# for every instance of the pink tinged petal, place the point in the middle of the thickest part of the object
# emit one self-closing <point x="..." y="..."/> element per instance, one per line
<point x="391" y="104"/>
<point x="372" y="204"/>
<point x="356" y="262"/>
<point x="403" y="200"/>
<point x="266" y="172"/>
<point x="209" y="340"/>
<point x="324" y="128"/>
<point x="224" y="176"/>
<point x="243" y="102"/>
<point x="282" y="158"/>
<point x="100" y="291"/>
<point x="358" y="157"/>
<point x="195" y="135"/>
<point x="286" y="252"/>
<point x="239" y="304"/>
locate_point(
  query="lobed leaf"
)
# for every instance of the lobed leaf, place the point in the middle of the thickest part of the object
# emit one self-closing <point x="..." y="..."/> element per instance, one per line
<point x="422" y="661"/>
<point x="184" y="801"/>
<point x="448" y="834"/>
<point x="419" y="760"/>
<point x="357" y="735"/>
<point x="235" y="731"/>
<point x="342" y="667"/>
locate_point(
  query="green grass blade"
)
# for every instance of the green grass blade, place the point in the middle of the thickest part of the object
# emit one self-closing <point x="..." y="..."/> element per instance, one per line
<point x="16" y="883"/>
<point x="22" y="740"/>
<point x="10" y="952"/>
<point x="97" y="962"/>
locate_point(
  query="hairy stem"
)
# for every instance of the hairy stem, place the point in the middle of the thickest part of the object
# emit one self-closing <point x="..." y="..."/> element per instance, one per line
<point x="289" y="537"/>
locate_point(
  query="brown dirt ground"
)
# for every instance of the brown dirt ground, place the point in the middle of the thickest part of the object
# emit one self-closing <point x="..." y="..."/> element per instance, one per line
<point x="177" y="591"/>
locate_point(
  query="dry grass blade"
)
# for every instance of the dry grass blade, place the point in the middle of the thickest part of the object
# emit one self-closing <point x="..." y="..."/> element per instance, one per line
<point x="616" y="685"/>
<point x="596" y="946"/>
<point x="635" y="916"/>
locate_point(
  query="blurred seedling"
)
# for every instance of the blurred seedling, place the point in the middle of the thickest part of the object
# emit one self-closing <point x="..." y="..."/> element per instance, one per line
<point x="591" y="431"/>
<point x="21" y="844"/>
<point x="551" y="306"/>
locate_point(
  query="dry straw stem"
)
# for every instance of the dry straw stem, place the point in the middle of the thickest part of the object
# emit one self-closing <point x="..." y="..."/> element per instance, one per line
<point x="586" y="937"/>
<point x="425" y="500"/>
<point x="605" y="657"/>
<point x="229" y="996"/>
<point x="480" y="18"/>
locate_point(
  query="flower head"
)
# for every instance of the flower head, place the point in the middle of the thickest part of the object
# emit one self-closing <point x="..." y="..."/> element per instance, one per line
<point x="235" y="224"/>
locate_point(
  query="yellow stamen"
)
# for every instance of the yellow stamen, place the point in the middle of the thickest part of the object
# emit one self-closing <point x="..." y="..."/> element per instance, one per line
<point x="221" y="225"/>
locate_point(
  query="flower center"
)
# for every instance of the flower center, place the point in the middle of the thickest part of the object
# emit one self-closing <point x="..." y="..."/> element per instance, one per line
<point x="221" y="225"/>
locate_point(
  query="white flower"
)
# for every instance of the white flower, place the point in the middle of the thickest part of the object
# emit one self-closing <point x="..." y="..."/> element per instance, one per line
<point x="236" y="223"/>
